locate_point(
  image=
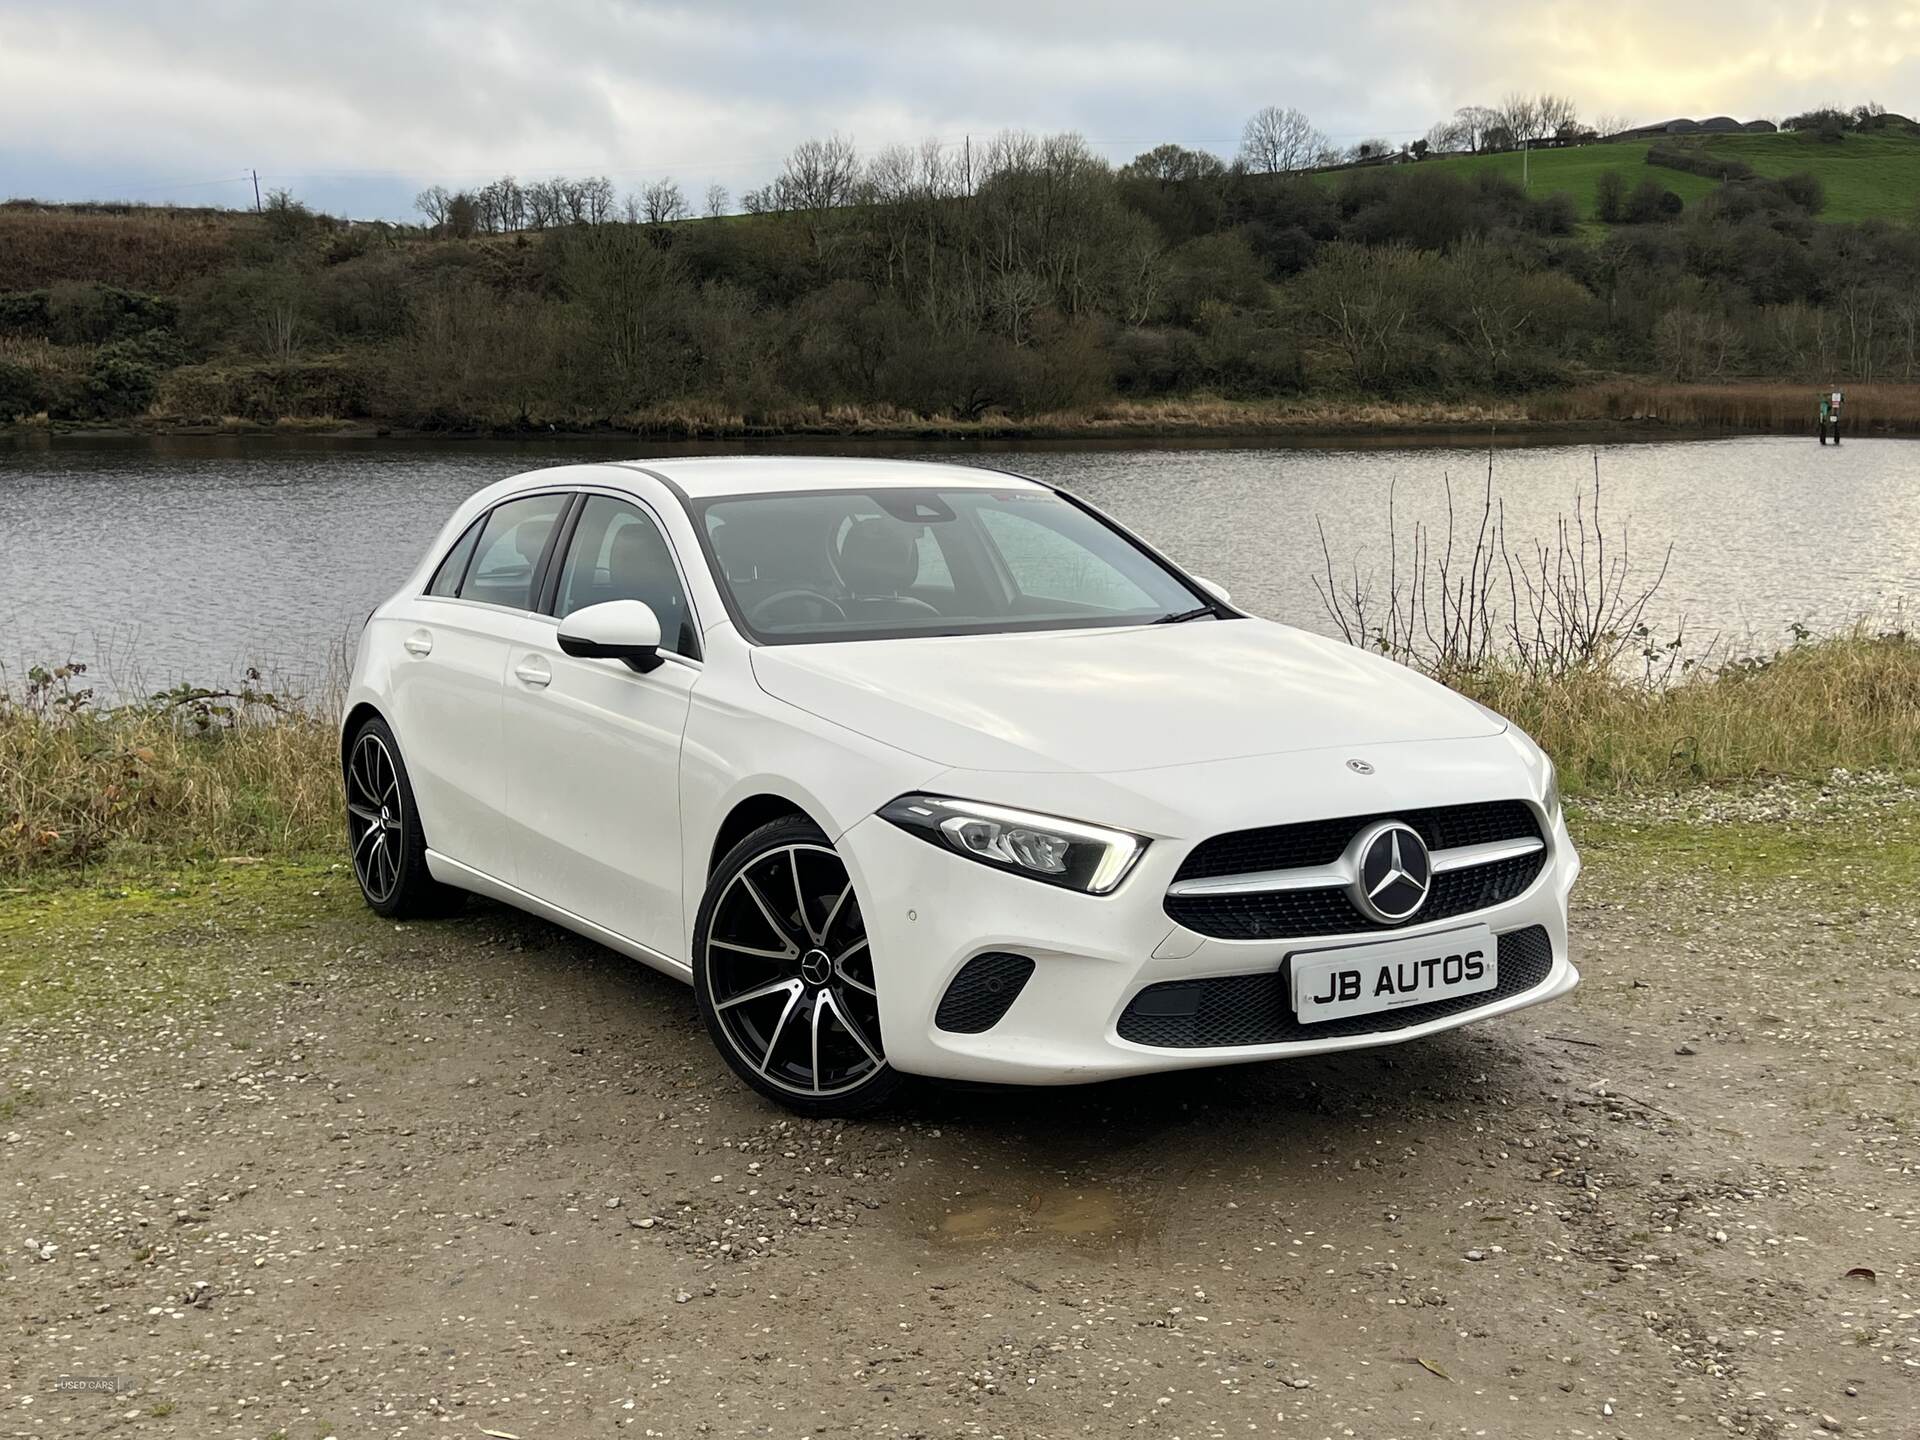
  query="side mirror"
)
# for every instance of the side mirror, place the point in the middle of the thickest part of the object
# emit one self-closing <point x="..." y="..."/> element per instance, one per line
<point x="617" y="630"/>
<point x="1219" y="592"/>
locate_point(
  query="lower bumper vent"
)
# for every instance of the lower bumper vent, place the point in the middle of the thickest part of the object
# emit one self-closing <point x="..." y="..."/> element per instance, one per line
<point x="982" y="993"/>
<point x="1257" y="1009"/>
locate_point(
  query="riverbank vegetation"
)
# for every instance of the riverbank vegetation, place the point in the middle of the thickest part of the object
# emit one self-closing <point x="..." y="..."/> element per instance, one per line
<point x="1025" y="285"/>
<point x="193" y="777"/>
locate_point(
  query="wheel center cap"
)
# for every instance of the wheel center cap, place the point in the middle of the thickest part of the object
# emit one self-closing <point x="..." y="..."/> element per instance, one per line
<point x="816" y="967"/>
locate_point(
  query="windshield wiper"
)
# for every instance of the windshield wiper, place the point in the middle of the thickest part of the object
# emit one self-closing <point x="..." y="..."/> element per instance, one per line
<point x="1177" y="617"/>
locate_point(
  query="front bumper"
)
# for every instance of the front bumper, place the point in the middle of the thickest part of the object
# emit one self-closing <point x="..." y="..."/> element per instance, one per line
<point x="928" y="912"/>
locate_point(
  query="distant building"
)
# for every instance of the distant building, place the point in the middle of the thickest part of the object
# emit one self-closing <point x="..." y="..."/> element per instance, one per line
<point x="1715" y="125"/>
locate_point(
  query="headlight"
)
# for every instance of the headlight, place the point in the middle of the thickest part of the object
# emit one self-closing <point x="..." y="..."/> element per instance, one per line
<point x="1060" y="852"/>
<point x="1550" y="797"/>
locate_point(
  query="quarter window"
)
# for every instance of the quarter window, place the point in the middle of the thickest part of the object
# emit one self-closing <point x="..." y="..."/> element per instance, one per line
<point x="453" y="569"/>
<point x="509" y="550"/>
<point x="618" y="553"/>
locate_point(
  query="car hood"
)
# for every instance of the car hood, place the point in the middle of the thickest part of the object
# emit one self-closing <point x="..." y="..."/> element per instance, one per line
<point x="1107" y="700"/>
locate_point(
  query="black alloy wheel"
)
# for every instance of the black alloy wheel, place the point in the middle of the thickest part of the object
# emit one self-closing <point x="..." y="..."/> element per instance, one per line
<point x="383" y="829"/>
<point x="785" y="976"/>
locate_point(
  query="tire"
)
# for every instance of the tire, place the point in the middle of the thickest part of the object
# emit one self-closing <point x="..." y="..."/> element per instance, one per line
<point x="384" y="838"/>
<point x="783" y="977"/>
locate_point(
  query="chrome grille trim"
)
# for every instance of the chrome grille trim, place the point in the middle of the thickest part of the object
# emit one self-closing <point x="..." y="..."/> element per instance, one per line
<point x="1340" y="874"/>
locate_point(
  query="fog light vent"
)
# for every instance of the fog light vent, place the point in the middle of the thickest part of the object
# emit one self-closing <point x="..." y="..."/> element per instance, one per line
<point x="982" y="992"/>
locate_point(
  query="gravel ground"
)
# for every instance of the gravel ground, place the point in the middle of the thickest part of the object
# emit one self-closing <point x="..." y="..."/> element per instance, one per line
<point x="283" y="1169"/>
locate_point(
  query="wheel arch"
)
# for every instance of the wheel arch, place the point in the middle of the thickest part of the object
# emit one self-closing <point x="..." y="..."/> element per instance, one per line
<point x="747" y="816"/>
<point x="349" y="727"/>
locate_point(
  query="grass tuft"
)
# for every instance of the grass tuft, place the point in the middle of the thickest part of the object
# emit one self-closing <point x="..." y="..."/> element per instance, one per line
<point x="1848" y="702"/>
<point x="188" y="775"/>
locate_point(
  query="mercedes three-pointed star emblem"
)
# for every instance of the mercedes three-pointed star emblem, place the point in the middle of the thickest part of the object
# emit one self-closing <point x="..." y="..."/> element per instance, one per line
<point x="1392" y="872"/>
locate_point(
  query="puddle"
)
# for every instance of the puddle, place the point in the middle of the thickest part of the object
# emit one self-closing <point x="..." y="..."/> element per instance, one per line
<point x="1060" y="1213"/>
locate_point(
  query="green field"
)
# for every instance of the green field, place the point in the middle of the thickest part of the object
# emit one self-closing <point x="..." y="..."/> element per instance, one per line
<point x="1867" y="176"/>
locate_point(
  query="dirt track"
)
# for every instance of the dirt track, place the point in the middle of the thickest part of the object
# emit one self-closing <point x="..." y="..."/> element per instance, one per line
<point x="307" y="1174"/>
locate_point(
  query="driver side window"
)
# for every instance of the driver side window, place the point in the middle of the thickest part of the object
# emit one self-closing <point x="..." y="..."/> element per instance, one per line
<point x="618" y="553"/>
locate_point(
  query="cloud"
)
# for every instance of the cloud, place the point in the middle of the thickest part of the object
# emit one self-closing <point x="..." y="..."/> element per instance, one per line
<point x="355" y="104"/>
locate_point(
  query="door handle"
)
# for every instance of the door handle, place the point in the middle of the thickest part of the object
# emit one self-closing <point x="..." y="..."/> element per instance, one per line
<point x="418" y="643"/>
<point x="533" y="671"/>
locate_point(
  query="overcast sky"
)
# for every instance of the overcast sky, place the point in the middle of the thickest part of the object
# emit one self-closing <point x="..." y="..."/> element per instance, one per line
<point x="355" y="104"/>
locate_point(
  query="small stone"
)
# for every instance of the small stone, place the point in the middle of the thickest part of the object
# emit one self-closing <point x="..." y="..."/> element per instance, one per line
<point x="1719" y="1237"/>
<point x="1827" y="1422"/>
<point x="1476" y="1254"/>
<point x="682" y="1298"/>
<point x="646" y="1224"/>
<point x="1685" y="1050"/>
<point x="613" y="1202"/>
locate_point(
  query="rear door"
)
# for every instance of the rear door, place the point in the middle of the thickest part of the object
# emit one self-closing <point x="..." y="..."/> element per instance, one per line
<point x="447" y="679"/>
<point x="592" y="746"/>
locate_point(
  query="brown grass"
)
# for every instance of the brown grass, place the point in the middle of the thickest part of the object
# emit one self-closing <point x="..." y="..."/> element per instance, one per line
<point x="166" y="781"/>
<point x="156" y="251"/>
<point x="1118" y="418"/>
<point x="1777" y="406"/>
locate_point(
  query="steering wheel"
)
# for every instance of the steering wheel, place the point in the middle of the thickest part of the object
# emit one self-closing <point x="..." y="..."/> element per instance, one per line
<point x="824" y="607"/>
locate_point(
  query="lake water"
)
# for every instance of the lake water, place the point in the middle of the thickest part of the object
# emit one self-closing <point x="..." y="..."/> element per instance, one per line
<point x="191" y="558"/>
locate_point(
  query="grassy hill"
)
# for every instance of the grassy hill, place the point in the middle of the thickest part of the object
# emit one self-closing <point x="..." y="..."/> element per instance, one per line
<point x="1867" y="176"/>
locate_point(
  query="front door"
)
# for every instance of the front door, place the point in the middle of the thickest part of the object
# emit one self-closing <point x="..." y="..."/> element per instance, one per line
<point x="593" y="747"/>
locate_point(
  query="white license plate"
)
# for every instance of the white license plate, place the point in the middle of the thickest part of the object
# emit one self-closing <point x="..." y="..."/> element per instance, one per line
<point x="1362" y="979"/>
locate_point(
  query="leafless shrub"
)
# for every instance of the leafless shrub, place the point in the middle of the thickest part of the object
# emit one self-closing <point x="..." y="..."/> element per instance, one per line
<point x="1463" y="598"/>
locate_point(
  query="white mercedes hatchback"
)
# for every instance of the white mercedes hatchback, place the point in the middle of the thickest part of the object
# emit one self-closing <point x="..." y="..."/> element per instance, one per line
<point x="922" y="769"/>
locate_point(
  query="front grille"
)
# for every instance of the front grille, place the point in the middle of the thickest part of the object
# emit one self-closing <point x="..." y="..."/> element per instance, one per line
<point x="982" y="993"/>
<point x="1319" y="842"/>
<point x="1303" y="914"/>
<point x="1257" y="1009"/>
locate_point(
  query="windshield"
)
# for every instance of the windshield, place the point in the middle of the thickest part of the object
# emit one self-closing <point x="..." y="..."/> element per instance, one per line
<point x="866" y="565"/>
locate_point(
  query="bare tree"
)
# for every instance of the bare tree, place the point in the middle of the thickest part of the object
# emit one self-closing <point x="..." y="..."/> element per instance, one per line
<point x="1277" y="140"/>
<point x="432" y="203"/>
<point x="820" y="174"/>
<point x="820" y="177"/>
<point x="1605" y="125"/>
<point x="1519" y="115"/>
<point x="661" y="203"/>
<point x="1558" y="115"/>
<point x="1473" y="123"/>
<point x="718" y="201"/>
<point x="503" y="206"/>
<point x="596" y="200"/>
<point x="1448" y="137"/>
<point x="544" y="204"/>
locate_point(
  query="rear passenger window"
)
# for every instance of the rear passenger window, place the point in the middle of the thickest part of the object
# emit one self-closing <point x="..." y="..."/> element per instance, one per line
<point x="509" y="551"/>
<point x="453" y="569"/>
